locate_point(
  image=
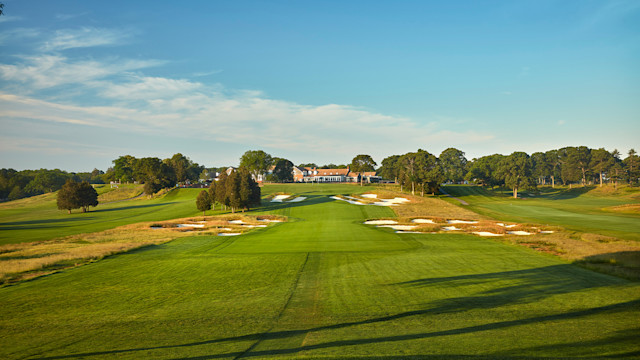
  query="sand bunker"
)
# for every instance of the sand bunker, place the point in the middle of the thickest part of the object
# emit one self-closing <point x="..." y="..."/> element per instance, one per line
<point x="423" y="221"/>
<point x="507" y="226"/>
<point x="546" y="232"/>
<point x="279" y="198"/>
<point x="519" y="233"/>
<point x="381" y="202"/>
<point x="190" y="225"/>
<point x="450" y="228"/>
<point x="400" y="227"/>
<point x="269" y="220"/>
<point x="347" y="200"/>
<point x="239" y="222"/>
<point x="408" y="232"/>
<point x="461" y="222"/>
<point x="380" y="222"/>
<point x="254" y="226"/>
<point x="486" y="233"/>
<point x="229" y="234"/>
<point x="298" y="199"/>
<point x="370" y="196"/>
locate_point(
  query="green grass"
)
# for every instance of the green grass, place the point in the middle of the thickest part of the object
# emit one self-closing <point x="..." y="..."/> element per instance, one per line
<point x="38" y="218"/>
<point x="322" y="286"/>
<point x="574" y="209"/>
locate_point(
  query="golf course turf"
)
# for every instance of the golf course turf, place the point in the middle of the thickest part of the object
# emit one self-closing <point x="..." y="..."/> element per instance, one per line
<point x="322" y="285"/>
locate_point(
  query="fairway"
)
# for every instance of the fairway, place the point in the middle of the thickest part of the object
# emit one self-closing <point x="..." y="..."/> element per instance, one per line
<point x="322" y="285"/>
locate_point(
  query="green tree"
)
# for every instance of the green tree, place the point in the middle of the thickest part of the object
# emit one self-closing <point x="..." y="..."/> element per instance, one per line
<point x="554" y="163"/>
<point x="87" y="196"/>
<point x="257" y="162"/>
<point x="484" y="171"/>
<point x="123" y="168"/>
<point x="16" y="193"/>
<point x="283" y="171"/>
<point x="67" y="198"/>
<point x="575" y="163"/>
<point x="232" y="188"/>
<point x="244" y="190"/>
<point x="390" y="168"/>
<point x="601" y="162"/>
<point x="516" y="169"/>
<point x="409" y="170"/>
<point x="212" y="194"/>
<point x="221" y="190"/>
<point x="48" y="181"/>
<point x="203" y="202"/>
<point x="429" y="171"/>
<point x="309" y="165"/>
<point x="616" y="171"/>
<point x="541" y="167"/>
<point x="453" y="164"/>
<point x="631" y="163"/>
<point x="362" y="163"/>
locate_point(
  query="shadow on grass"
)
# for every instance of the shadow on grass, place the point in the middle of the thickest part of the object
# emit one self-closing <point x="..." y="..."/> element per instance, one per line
<point x="625" y="306"/>
<point x="522" y="286"/>
<point x="132" y="207"/>
<point x="44" y="223"/>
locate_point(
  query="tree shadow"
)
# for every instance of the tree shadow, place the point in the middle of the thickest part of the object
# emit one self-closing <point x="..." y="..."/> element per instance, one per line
<point x="624" y="306"/>
<point x="43" y="224"/>
<point x="523" y="286"/>
<point x="132" y="207"/>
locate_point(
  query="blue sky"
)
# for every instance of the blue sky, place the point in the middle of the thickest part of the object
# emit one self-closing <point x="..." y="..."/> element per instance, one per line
<point x="83" y="82"/>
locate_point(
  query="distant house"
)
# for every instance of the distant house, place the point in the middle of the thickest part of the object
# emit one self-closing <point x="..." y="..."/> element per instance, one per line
<point x="307" y="174"/>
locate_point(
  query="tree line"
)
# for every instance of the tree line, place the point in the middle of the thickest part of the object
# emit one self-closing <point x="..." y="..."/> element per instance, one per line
<point x="16" y="185"/>
<point x="154" y="173"/>
<point x="568" y="165"/>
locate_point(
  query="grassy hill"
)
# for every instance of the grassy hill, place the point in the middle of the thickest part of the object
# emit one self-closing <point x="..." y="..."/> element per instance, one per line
<point x="38" y="218"/>
<point x="322" y="285"/>
<point x="580" y="209"/>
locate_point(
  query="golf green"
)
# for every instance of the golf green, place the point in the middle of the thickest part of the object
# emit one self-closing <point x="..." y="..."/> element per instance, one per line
<point x="322" y="286"/>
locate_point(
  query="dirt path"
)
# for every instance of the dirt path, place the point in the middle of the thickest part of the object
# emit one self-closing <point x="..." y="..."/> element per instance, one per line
<point x="453" y="197"/>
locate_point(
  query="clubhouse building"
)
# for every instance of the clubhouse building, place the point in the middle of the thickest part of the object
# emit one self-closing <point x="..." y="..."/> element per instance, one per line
<point x="307" y="174"/>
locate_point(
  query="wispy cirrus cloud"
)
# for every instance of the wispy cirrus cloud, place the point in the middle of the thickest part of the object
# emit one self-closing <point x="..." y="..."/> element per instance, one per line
<point x="84" y="37"/>
<point x="44" y="71"/>
<point x="18" y="34"/>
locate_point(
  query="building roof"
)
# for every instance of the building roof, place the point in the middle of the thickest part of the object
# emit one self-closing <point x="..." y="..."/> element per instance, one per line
<point x="332" y="172"/>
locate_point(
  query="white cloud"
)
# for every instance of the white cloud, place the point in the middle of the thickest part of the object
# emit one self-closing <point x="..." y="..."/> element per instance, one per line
<point x="45" y="71"/>
<point x="150" y="88"/>
<point x="182" y="109"/>
<point x="8" y="18"/>
<point x="84" y="37"/>
<point x="18" y="34"/>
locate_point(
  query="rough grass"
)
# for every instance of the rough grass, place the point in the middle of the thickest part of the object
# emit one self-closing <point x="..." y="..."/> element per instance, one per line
<point x="428" y="206"/>
<point x="626" y="208"/>
<point x="123" y="192"/>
